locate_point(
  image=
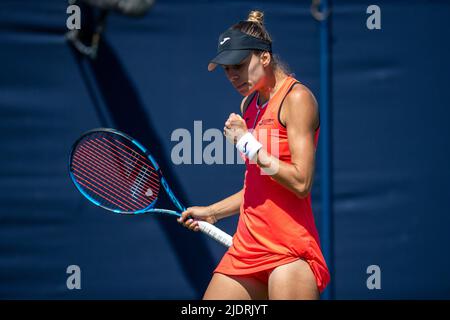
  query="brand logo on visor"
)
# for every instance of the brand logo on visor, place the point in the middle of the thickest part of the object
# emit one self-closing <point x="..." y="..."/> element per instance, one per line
<point x="224" y="40"/>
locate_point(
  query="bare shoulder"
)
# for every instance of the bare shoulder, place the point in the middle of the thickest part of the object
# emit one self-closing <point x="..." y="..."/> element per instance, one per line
<point x="300" y="103"/>
<point x="301" y="95"/>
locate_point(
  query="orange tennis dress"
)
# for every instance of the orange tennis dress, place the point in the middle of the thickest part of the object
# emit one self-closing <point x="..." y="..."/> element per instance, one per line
<point x="275" y="226"/>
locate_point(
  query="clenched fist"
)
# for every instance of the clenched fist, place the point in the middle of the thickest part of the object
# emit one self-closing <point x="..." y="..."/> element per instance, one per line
<point x="235" y="128"/>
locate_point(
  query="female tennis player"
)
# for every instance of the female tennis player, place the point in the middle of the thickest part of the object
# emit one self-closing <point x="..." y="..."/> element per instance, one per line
<point x="276" y="252"/>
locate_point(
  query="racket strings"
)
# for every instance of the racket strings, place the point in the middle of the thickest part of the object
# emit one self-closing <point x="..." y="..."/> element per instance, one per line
<point x="101" y="150"/>
<point x="99" y="163"/>
<point x="114" y="194"/>
<point x="123" y="153"/>
<point x="103" y="195"/>
<point x="97" y="174"/>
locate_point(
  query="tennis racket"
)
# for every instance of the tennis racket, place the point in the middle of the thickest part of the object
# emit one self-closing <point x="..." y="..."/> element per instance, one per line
<point x="117" y="173"/>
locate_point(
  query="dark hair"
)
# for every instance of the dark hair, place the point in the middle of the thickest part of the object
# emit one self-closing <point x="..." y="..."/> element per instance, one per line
<point x="254" y="26"/>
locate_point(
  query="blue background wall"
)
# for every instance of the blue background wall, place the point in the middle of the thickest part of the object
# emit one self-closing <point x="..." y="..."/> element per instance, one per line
<point x="390" y="144"/>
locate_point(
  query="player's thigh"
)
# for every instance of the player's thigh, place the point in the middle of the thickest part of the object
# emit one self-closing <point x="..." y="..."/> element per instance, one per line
<point x="293" y="281"/>
<point x="224" y="287"/>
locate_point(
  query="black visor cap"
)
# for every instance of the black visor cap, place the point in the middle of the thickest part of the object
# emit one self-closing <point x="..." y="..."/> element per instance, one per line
<point x="234" y="46"/>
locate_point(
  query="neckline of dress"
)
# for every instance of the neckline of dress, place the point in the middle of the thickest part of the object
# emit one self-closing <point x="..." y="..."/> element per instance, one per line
<point x="263" y="106"/>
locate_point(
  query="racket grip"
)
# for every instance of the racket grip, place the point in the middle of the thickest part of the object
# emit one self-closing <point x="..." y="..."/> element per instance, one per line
<point x="215" y="233"/>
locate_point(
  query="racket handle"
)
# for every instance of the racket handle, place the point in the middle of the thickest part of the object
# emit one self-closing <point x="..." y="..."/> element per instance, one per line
<point x="215" y="233"/>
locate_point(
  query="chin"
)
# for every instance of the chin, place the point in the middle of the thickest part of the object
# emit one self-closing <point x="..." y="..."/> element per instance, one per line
<point x="243" y="92"/>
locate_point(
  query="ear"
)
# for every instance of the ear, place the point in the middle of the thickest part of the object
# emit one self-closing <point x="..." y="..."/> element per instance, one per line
<point x="266" y="59"/>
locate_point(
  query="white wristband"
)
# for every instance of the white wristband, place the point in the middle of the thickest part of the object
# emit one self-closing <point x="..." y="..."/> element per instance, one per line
<point x="248" y="145"/>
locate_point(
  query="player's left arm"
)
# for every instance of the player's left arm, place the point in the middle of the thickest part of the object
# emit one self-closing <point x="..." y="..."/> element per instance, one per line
<point x="300" y="115"/>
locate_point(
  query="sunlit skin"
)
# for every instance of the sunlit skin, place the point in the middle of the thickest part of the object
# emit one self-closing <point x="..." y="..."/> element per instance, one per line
<point x="300" y="116"/>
